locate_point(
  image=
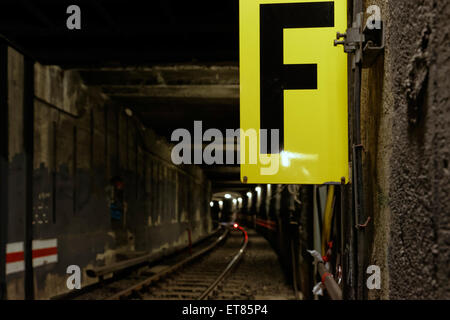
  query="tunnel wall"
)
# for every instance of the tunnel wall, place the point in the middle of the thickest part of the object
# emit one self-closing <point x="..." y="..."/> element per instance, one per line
<point x="82" y="140"/>
<point x="405" y="131"/>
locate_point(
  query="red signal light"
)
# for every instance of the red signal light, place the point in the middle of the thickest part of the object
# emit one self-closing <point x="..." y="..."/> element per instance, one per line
<point x="235" y="225"/>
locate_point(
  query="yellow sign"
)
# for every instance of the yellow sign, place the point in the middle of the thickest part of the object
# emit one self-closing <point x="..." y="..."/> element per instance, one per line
<point x="293" y="82"/>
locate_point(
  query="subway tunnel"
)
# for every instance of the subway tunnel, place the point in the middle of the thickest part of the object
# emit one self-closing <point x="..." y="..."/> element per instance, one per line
<point x="121" y="174"/>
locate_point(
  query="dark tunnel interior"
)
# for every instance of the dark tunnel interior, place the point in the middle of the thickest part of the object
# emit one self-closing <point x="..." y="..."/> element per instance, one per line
<point x="123" y="149"/>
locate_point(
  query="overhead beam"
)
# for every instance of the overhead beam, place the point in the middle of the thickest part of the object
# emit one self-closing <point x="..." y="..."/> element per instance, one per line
<point x="163" y="75"/>
<point x="228" y="92"/>
<point x="102" y="52"/>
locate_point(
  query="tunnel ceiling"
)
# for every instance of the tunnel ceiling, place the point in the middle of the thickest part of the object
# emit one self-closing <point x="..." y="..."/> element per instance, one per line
<point x="171" y="97"/>
<point x="171" y="62"/>
<point x="131" y="32"/>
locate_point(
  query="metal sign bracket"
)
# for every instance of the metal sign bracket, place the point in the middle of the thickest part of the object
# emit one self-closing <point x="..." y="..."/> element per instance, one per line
<point x="364" y="43"/>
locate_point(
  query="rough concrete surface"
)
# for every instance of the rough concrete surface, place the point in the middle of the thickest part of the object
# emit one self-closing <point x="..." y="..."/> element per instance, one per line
<point x="406" y="133"/>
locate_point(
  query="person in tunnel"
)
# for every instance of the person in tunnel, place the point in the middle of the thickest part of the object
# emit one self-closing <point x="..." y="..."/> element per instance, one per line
<point x="117" y="208"/>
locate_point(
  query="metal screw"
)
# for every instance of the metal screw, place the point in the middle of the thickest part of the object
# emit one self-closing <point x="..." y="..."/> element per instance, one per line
<point x="245" y="179"/>
<point x="336" y="43"/>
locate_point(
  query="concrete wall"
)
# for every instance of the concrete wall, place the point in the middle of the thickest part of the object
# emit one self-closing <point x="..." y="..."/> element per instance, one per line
<point x="81" y="141"/>
<point x="405" y="128"/>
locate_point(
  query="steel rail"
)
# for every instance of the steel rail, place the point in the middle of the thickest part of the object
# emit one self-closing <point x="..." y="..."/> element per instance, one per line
<point x="232" y="263"/>
<point x="145" y="283"/>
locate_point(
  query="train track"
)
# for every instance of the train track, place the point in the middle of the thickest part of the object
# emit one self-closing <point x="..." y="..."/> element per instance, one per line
<point x="198" y="276"/>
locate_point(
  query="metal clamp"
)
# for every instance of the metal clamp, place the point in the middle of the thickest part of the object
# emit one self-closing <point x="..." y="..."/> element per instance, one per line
<point x="353" y="40"/>
<point x="365" y="44"/>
